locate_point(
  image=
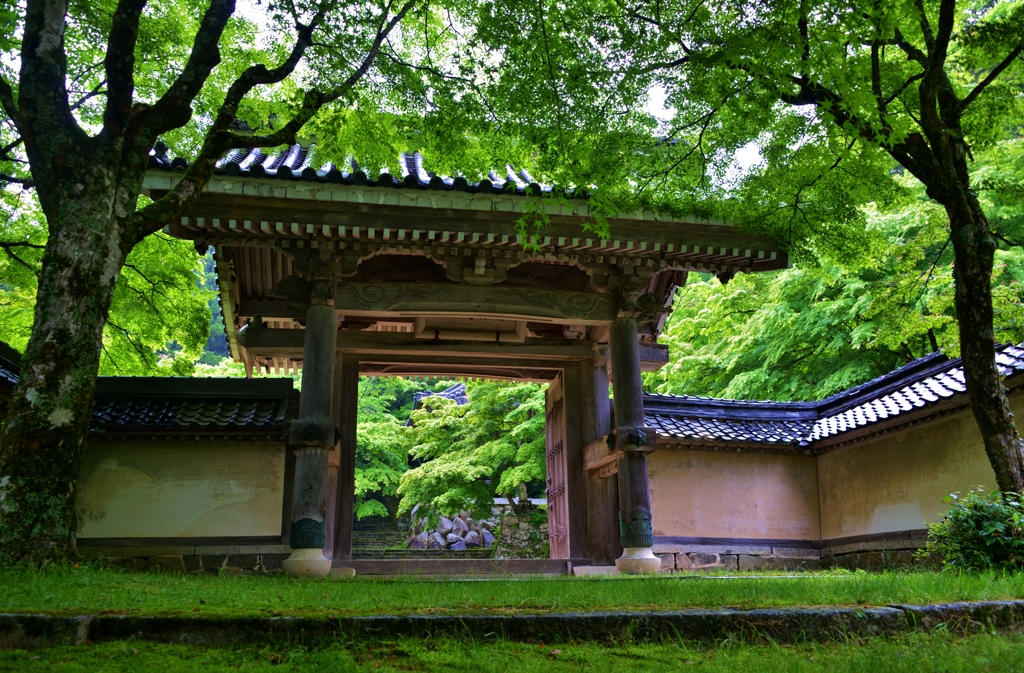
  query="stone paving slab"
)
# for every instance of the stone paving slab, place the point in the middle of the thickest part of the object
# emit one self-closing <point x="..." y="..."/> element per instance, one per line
<point x="781" y="625"/>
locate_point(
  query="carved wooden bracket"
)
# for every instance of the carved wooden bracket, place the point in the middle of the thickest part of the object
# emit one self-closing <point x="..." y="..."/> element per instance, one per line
<point x="306" y="432"/>
<point x="643" y="440"/>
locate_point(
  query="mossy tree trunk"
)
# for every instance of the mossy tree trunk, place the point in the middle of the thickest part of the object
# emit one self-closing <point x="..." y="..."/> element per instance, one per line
<point x="974" y="253"/>
<point x="88" y="186"/>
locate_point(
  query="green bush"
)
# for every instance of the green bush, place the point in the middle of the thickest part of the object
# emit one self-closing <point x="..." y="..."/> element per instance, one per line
<point x="980" y="532"/>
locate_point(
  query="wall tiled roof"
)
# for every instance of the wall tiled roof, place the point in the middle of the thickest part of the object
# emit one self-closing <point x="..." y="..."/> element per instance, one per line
<point x="922" y="383"/>
<point x="167" y="404"/>
<point x="295" y="163"/>
<point x="9" y="368"/>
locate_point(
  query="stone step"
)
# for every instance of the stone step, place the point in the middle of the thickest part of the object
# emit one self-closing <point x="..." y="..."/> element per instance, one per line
<point x="478" y="553"/>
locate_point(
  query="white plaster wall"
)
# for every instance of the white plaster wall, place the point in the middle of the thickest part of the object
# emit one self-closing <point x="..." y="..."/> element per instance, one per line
<point x="898" y="482"/>
<point x="181" y="489"/>
<point x="733" y="495"/>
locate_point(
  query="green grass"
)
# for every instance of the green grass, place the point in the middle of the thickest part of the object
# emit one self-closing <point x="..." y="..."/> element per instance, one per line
<point x="936" y="652"/>
<point x="96" y="589"/>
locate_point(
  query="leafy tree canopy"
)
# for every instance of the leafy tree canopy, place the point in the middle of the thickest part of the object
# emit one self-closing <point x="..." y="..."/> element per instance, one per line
<point x="159" y="317"/>
<point x="823" y="326"/>
<point x="471" y="453"/>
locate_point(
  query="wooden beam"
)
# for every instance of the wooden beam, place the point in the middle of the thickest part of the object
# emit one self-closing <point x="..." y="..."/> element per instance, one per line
<point x="602" y="491"/>
<point x="575" y="482"/>
<point x="346" y="407"/>
<point x="287" y="343"/>
<point x="312" y="435"/>
<point x="503" y="373"/>
<point x="598" y="453"/>
<point x="440" y="299"/>
<point x="662" y="231"/>
<point x="634" y="490"/>
<point x="277" y="342"/>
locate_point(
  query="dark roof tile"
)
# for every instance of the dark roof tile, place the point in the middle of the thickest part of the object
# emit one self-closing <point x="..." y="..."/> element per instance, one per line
<point x="917" y="385"/>
<point x="169" y="404"/>
<point x="290" y="163"/>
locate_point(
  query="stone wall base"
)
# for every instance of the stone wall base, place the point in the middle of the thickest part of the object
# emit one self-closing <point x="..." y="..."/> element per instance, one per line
<point x="190" y="559"/>
<point x="689" y="558"/>
<point x="877" y="555"/>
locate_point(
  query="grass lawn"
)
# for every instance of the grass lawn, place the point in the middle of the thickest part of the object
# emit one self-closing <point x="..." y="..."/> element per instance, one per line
<point x="936" y="652"/>
<point x="92" y="589"/>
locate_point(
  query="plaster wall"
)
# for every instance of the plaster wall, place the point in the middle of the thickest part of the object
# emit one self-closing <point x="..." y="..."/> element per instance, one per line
<point x="897" y="482"/>
<point x="181" y="489"/>
<point x="733" y="495"/>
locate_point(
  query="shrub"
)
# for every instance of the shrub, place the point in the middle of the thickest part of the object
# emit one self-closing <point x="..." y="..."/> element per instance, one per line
<point x="980" y="532"/>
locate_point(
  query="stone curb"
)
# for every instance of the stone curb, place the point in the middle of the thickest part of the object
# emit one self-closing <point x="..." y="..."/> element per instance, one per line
<point x="781" y="625"/>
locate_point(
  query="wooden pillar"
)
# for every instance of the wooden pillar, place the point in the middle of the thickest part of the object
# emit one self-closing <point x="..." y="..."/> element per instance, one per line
<point x="575" y="479"/>
<point x="602" y="492"/>
<point x="332" y="502"/>
<point x="346" y="404"/>
<point x="635" y="529"/>
<point x="312" y="435"/>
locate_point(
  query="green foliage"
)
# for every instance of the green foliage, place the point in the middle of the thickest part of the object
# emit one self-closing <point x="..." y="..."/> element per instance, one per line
<point x="159" y="317"/>
<point x="914" y="653"/>
<point x="470" y="453"/>
<point x="383" y="440"/>
<point x="980" y="532"/>
<point x="830" y="323"/>
<point x="95" y="588"/>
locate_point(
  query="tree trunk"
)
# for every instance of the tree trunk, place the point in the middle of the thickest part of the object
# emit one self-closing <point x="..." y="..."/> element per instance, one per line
<point x="974" y="250"/>
<point x="41" y="448"/>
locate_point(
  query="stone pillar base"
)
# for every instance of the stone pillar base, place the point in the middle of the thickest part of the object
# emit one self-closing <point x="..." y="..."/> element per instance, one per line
<point x="638" y="561"/>
<point x="307" y="563"/>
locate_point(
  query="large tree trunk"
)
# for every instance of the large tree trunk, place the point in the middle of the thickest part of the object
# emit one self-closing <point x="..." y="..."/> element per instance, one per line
<point x="974" y="250"/>
<point x="41" y="448"/>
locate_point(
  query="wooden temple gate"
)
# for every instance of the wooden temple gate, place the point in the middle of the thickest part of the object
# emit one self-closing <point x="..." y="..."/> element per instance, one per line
<point x="347" y="276"/>
<point x="556" y="486"/>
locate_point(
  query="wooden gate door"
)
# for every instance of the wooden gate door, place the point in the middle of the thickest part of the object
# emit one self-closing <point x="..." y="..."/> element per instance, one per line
<point x="558" y="503"/>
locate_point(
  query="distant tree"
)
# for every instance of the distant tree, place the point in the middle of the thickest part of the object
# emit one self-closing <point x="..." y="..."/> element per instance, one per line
<point x="825" y="325"/>
<point x="383" y="439"/>
<point x="471" y="453"/>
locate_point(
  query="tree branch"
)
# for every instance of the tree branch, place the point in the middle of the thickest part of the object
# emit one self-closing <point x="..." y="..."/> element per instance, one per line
<point x="910" y="49"/>
<point x="174" y="108"/>
<point x="391" y="56"/>
<point x="92" y="94"/>
<point x="903" y="87"/>
<point x="11" y="179"/>
<point x="7" y="102"/>
<point x="996" y="71"/>
<point x="143" y="355"/>
<point x="220" y="138"/>
<point x="119" y="64"/>
<point x="8" y="248"/>
<point x="926" y="26"/>
<point x="876" y="78"/>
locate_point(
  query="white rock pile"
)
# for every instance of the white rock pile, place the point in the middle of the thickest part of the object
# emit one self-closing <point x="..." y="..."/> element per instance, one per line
<point x="461" y="532"/>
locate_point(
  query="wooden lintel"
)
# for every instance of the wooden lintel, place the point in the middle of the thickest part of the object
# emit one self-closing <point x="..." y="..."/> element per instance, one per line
<point x="653" y="357"/>
<point x="609" y="469"/>
<point x="268" y="309"/>
<point x="438" y="299"/>
<point x="393" y="347"/>
<point x="599" y="454"/>
<point x="271" y="342"/>
<point x="471" y="371"/>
